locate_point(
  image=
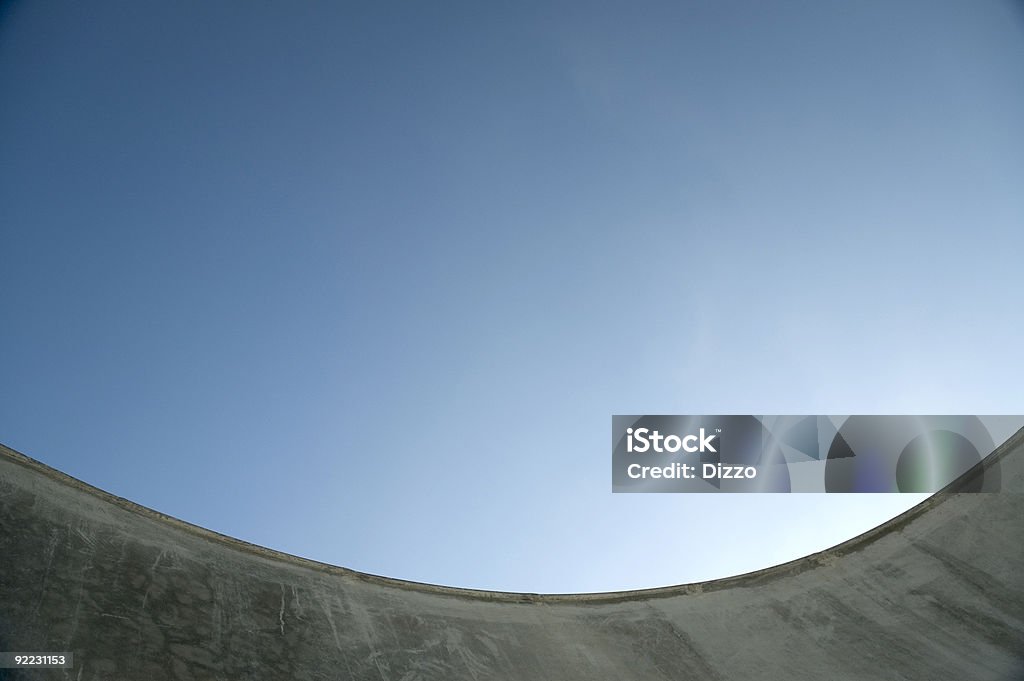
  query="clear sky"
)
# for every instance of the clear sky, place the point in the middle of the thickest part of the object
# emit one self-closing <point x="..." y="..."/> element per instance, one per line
<point x="365" y="281"/>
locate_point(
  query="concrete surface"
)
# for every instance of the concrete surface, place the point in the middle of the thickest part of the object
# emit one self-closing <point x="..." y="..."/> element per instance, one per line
<point x="937" y="593"/>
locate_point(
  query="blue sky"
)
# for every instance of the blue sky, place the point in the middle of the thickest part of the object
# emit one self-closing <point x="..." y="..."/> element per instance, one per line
<point x="365" y="282"/>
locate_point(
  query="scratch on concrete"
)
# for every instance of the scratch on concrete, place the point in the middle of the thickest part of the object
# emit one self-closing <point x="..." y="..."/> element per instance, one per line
<point x="280" y="615"/>
<point x="330" y="621"/>
<point x="51" y="549"/>
<point x="152" y="574"/>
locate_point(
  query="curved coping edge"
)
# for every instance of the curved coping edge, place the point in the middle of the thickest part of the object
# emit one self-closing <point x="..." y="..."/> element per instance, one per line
<point x="755" y="577"/>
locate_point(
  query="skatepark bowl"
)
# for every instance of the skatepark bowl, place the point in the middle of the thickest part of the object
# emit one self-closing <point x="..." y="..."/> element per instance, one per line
<point x="935" y="593"/>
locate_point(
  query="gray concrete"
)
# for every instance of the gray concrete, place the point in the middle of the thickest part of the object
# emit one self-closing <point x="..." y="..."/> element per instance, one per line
<point x="937" y="593"/>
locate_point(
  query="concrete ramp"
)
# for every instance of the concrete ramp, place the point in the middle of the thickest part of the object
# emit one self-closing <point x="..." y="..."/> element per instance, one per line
<point x="937" y="593"/>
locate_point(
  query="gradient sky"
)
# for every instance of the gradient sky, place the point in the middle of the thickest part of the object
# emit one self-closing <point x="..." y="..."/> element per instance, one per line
<point x="365" y="282"/>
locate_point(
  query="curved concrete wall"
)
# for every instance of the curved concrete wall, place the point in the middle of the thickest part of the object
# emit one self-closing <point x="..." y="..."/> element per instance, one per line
<point x="937" y="593"/>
